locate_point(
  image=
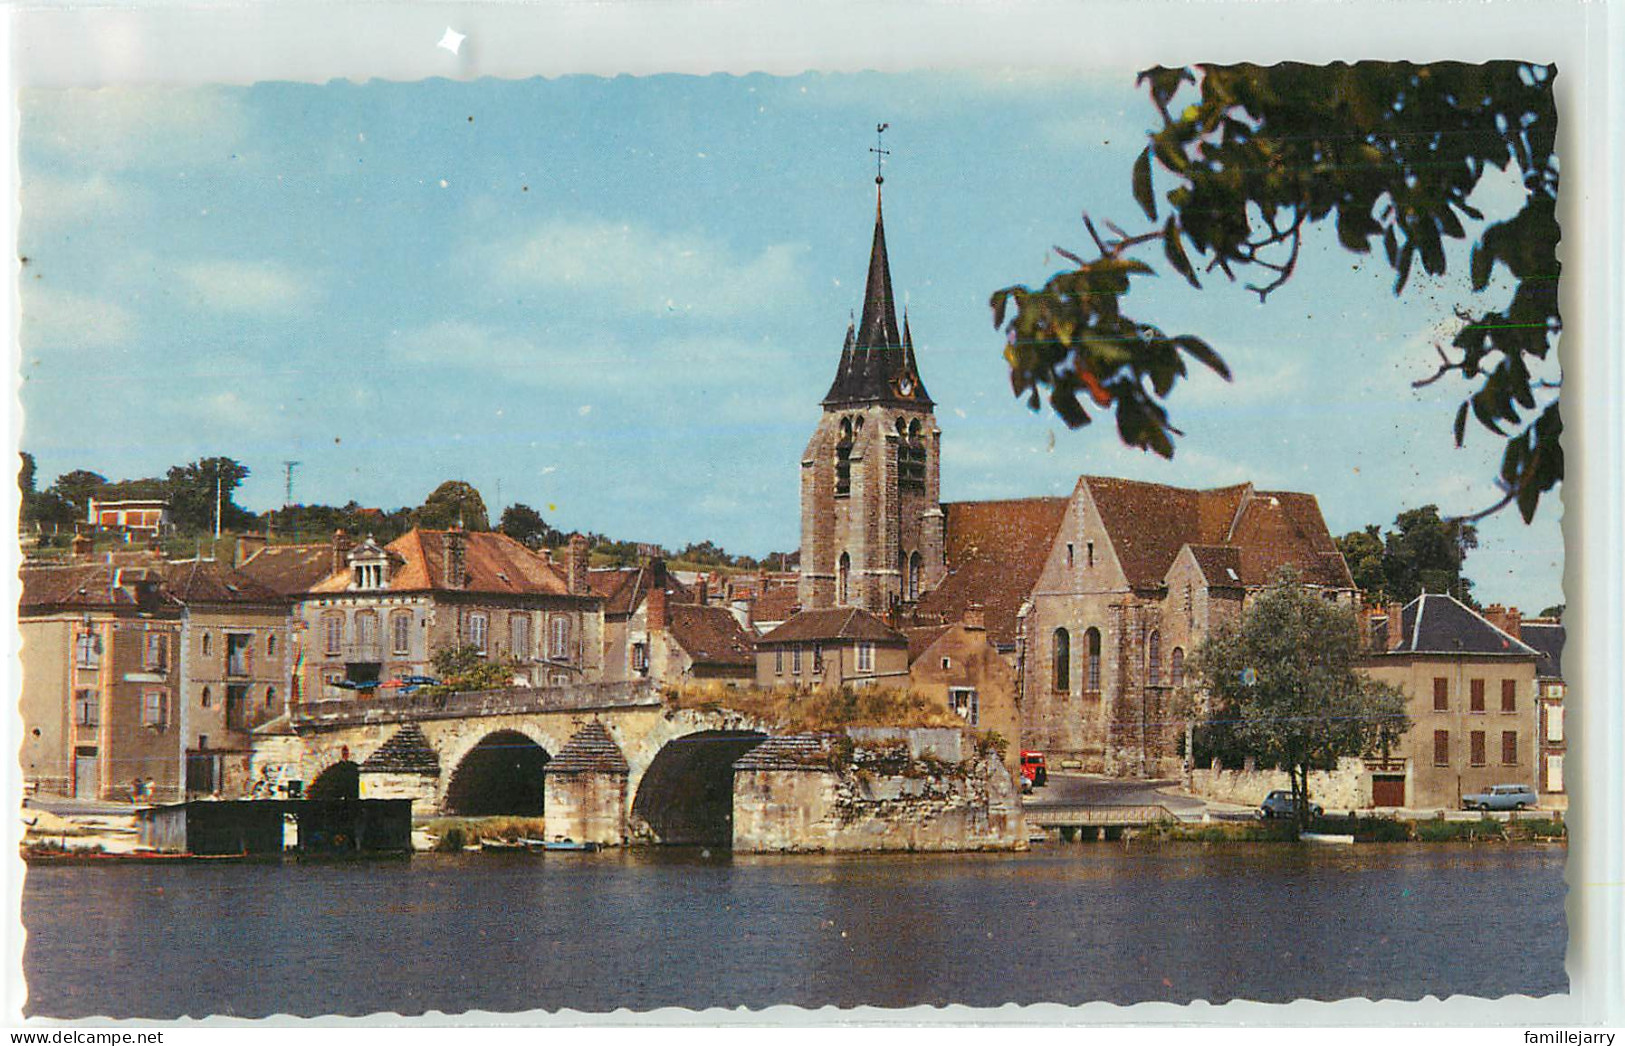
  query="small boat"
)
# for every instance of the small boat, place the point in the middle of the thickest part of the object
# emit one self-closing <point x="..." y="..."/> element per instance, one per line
<point x="502" y="845"/>
<point x="1320" y="837"/>
<point x="564" y="844"/>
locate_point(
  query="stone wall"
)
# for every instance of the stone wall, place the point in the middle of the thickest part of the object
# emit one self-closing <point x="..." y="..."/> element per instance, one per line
<point x="587" y="807"/>
<point x="1346" y="788"/>
<point x="874" y="797"/>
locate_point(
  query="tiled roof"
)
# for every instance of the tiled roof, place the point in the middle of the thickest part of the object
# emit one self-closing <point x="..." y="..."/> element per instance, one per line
<point x="1547" y="637"/>
<point x="206" y="581"/>
<point x="1150" y="522"/>
<point x="1220" y="564"/>
<point x="591" y="750"/>
<point x="623" y="589"/>
<point x="920" y="639"/>
<point x="710" y="635"/>
<point x="995" y="551"/>
<point x="406" y="752"/>
<point x="790" y="752"/>
<point x="492" y="561"/>
<point x="85" y="585"/>
<point x="291" y="570"/>
<point x="1438" y="624"/>
<point x="776" y="604"/>
<point x="834" y="623"/>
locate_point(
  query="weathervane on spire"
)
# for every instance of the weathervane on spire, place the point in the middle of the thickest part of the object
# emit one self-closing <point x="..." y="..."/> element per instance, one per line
<point x="880" y="152"/>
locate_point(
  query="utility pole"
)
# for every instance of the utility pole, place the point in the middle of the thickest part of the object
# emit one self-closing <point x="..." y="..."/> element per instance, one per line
<point x="287" y="492"/>
<point x="217" y="502"/>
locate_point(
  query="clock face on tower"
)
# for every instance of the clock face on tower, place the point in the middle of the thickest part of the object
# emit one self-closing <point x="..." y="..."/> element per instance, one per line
<point x="905" y="386"/>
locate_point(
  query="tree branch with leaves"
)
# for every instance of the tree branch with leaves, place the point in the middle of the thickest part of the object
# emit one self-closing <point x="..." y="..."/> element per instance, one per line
<point x="1390" y="154"/>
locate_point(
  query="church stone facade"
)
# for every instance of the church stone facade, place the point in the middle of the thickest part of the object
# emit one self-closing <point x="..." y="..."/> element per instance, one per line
<point x="1095" y="600"/>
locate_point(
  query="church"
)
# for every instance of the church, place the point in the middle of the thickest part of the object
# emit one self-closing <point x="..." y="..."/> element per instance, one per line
<point x="1095" y="599"/>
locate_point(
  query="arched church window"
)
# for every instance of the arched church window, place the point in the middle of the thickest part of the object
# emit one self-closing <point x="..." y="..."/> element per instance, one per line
<point x="1153" y="658"/>
<point x="843" y="459"/>
<point x="842" y="574"/>
<point x="1176" y="667"/>
<point x="1061" y="655"/>
<point x="914" y="565"/>
<point x="1092" y="648"/>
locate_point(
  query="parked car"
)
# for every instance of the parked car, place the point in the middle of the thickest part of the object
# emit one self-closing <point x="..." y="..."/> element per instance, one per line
<point x="1033" y="769"/>
<point x="1502" y="797"/>
<point x="1280" y="803"/>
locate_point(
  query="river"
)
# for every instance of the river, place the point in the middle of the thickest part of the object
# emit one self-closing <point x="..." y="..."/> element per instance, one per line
<point x="650" y="928"/>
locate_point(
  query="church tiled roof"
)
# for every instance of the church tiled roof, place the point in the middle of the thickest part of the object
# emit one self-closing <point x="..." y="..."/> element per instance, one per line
<point x="877" y="362"/>
<point x="995" y="552"/>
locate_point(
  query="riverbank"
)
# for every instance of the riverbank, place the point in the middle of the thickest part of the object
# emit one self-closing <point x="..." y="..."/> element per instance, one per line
<point x="1361" y="830"/>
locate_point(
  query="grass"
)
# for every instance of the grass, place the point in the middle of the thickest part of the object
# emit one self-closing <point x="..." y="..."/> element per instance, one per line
<point x="802" y="709"/>
<point x="453" y="833"/>
<point x="1364" y="830"/>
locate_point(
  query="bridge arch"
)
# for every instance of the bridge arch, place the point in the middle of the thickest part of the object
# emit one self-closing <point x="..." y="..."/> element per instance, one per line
<point x="685" y="794"/>
<point x="339" y="780"/>
<point x="500" y="773"/>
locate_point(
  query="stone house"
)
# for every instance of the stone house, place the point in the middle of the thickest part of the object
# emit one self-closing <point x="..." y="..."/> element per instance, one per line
<point x="144" y="681"/>
<point x="100" y="694"/>
<point x="1546" y="636"/>
<point x="235" y="668"/>
<point x="1472" y="703"/>
<point x="960" y="666"/>
<point x="389" y="609"/>
<point x="828" y="649"/>
<point x="625" y="592"/>
<point x="1095" y="599"/>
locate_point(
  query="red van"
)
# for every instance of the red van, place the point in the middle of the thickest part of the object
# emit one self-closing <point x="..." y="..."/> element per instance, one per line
<point x="1033" y="769"/>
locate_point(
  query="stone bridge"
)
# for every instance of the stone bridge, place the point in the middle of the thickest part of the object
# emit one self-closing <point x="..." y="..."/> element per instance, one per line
<point x="607" y="762"/>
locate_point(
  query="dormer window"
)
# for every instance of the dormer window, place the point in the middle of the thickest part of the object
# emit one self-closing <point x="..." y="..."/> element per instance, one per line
<point x="369" y="567"/>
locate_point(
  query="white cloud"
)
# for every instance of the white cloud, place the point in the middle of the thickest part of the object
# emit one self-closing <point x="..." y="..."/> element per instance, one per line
<point x="60" y="319"/>
<point x="630" y="266"/>
<point x="47" y="200"/>
<point x="114" y="128"/>
<point x="247" y="286"/>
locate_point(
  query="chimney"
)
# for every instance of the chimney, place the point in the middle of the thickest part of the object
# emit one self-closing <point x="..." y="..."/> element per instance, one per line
<point x="341" y="550"/>
<point x="657" y="573"/>
<point x="1396" y="625"/>
<point x="656" y="607"/>
<point x="975" y="617"/>
<point x="456" y="558"/>
<point x="1514" y="625"/>
<point x="247" y="545"/>
<point x="576" y="564"/>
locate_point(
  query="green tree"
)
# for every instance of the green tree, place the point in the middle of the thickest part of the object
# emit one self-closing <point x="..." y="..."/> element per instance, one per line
<point x="76" y="488"/>
<point x="1422" y="553"/>
<point x="454" y="503"/>
<point x="1389" y="153"/>
<point x="525" y="525"/>
<point x="464" y="668"/>
<point x="1283" y="683"/>
<point x="25" y="485"/>
<point x="194" y="488"/>
<point x="1556" y="610"/>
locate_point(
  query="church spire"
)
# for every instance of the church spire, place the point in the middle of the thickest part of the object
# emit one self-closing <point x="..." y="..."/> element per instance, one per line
<point x="877" y="363"/>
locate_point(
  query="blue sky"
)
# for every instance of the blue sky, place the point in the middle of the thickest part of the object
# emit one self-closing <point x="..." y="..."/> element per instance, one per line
<point x="621" y="300"/>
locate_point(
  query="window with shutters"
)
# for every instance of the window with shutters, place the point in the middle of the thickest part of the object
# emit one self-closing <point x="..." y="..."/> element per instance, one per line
<point x="1441" y="748"/>
<point x="86" y="708"/>
<point x="1554" y="723"/>
<point x="559" y="638"/>
<point x="1509" y="748"/>
<point x="962" y="699"/>
<point x="1476" y="703"/>
<point x="87" y="650"/>
<point x="519" y="636"/>
<point x="1476" y="748"/>
<point x="332" y="633"/>
<point x="1441" y="694"/>
<point x="154" y="709"/>
<point x="400" y="632"/>
<point x="1509" y="695"/>
<point x="155" y="653"/>
<point x="795" y="660"/>
<point x="479" y="626"/>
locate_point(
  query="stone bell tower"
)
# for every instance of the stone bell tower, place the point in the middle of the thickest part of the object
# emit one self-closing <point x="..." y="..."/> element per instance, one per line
<point x="871" y="522"/>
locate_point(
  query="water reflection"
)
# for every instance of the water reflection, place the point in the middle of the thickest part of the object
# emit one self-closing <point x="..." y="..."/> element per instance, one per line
<point x="690" y="927"/>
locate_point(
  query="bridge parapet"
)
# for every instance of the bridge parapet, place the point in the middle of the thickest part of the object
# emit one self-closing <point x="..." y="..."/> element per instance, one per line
<point x="582" y="697"/>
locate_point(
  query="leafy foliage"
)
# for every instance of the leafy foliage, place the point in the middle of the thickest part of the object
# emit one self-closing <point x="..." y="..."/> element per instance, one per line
<point x="453" y="504"/>
<point x="1424" y="553"/>
<point x="1284" y="685"/>
<point x="192" y="492"/>
<point x="525" y="525"/>
<point x="1387" y="152"/>
<point x="464" y="668"/>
